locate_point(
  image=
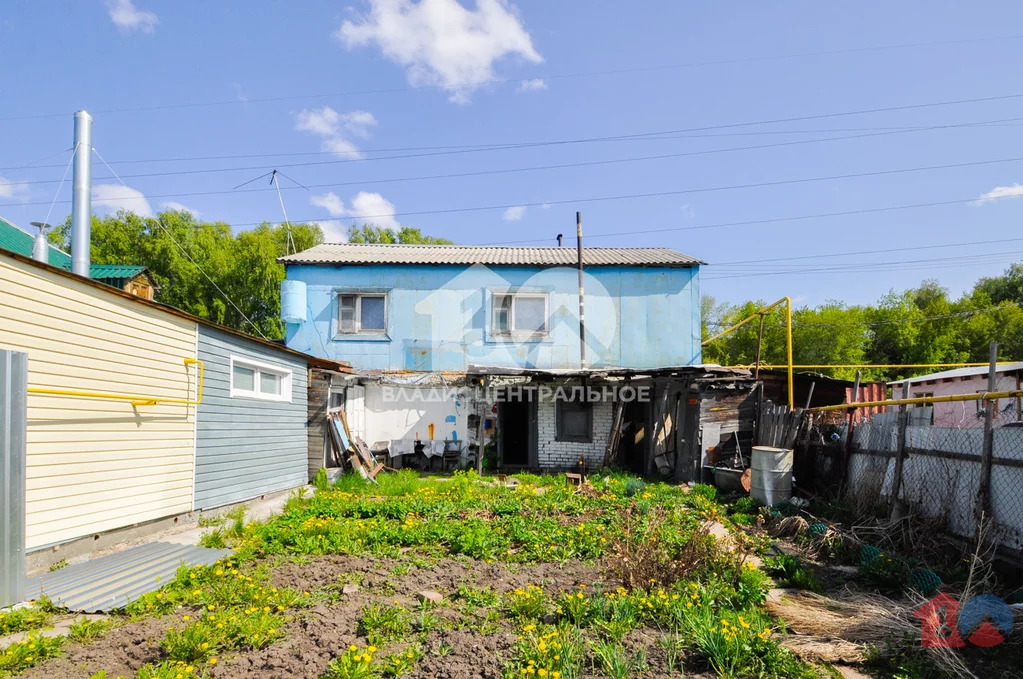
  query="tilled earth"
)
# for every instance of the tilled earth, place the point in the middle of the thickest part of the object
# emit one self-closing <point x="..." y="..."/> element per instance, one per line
<point x="458" y="650"/>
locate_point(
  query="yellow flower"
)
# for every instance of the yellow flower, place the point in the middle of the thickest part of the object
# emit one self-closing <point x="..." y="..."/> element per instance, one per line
<point x="541" y="672"/>
<point x="353" y="648"/>
<point x="213" y="661"/>
<point x="372" y="649"/>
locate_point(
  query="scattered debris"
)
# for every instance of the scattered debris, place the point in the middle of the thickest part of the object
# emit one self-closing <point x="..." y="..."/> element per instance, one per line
<point x="431" y="597"/>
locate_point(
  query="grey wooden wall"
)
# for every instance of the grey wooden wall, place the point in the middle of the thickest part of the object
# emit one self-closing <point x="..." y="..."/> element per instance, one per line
<point x="13" y="385"/>
<point x="247" y="447"/>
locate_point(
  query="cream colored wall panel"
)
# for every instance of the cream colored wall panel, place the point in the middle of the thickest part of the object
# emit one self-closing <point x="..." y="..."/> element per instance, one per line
<point x="95" y="464"/>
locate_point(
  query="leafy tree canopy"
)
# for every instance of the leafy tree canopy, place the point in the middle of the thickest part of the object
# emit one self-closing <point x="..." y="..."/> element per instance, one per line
<point x="919" y="325"/>
<point x="406" y="235"/>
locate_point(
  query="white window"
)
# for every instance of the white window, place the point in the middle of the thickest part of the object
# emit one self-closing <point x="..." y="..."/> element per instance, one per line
<point x="362" y="313"/>
<point x="520" y="313"/>
<point x="250" y="379"/>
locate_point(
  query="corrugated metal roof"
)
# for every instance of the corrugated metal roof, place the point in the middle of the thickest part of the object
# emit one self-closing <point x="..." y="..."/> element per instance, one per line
<point x="100" y="271"/>
<point x="358" y="254"/>
<point x="114" y="581"/>
<point x="14" y="239"/>
<point x="961" y="372"/>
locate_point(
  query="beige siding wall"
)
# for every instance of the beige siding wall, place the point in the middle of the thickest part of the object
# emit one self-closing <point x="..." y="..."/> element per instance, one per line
<point x="94" y="464"/>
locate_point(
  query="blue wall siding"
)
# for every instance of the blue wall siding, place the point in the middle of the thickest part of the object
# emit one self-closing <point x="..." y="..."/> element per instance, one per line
<point x="439" y="316"/>
<point x="247" y="447"/>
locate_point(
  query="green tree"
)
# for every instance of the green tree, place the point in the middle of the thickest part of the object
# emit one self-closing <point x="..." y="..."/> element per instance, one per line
<point x="406" y="235"/>
<point x="202" y="267"/>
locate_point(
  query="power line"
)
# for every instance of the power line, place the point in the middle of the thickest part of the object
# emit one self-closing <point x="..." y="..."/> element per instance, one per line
<point x="923" y="319"/>
<point x="589" y="163"/>
<point x="194" y="263"/>
<point x="878" y="266"/>
<point x="505" y="81"/>
<point x="867" y="252"/>
<point x="595" y="199"/>
<point x="500" y="146"/>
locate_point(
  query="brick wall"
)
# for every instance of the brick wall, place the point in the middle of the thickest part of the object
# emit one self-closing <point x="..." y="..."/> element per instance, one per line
<point x="561" y="455"/>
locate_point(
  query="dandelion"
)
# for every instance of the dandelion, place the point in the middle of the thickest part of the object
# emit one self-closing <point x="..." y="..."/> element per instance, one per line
<point x="213" y="661"/>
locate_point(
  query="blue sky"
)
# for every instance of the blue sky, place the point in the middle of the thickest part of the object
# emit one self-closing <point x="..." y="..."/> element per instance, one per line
<point x="329" y="92"/>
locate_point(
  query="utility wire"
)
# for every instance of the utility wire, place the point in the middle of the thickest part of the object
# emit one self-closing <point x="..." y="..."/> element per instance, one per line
<point x="561" y="76"/>
<point x="498" y="146"/>
<point x="773" y="260"/>
<point x="194" y="263"/>
<point x="61" y="185"/>
<point x="597" y="199"/>
<point x="588" y="163"/>
<point x="960" y="314"/>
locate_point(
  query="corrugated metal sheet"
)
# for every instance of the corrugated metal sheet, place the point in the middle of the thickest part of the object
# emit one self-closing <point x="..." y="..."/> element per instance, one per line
<point x="13" y="381"/>
<point x="14" y="239"/>
<point x="114" y="581"/>
<point x="961" y="372"/>
<point x="247" y="447"/>
<point x="353" y="253"/>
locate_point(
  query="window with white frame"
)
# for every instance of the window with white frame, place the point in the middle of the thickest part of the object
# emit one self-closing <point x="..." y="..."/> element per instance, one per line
<point x="250" y="379"/>
<point x="362" y="313"/>
<point x="520" y="314"/>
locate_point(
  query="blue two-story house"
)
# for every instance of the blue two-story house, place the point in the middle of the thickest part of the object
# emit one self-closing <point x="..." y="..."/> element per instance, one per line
<point x="442" y="309"/>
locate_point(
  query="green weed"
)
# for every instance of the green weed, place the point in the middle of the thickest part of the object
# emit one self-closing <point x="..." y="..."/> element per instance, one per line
<point x="85" y="630"/>
<point x="32" y="650"/>
<point x="56" y="566"/>
<point x="381" y="623"/>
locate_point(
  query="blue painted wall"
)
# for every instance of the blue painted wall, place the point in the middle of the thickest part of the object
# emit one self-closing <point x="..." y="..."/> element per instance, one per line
<point x="247" y="447"/>
<point x="439" y="316"/>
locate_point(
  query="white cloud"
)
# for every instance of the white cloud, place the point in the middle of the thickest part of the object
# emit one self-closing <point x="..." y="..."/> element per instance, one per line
<point x="1000" y="192"/>
<point x="366" y="208"/>
<point x="328" y="124"/>
<point x="334" y="206"/>
<point x="114" y="197"/>
<point x="358" y="122"/>
<point x="514" y="213"/>
<point x="127" y="17"/>
<point x="14" y="190"/>
<point x="440" y="42"/>
<point x="532" y="85"/>
<point x="174" y="205"/>
<point x="334" y="231"/>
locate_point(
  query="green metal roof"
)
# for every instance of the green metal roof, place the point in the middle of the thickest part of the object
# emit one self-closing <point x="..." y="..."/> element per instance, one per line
<point x="103" y="271"/>
<point x="14" y="239"/>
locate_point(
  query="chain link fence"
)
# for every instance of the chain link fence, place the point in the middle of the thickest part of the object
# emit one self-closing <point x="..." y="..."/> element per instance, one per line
<point x="940" y="477"/>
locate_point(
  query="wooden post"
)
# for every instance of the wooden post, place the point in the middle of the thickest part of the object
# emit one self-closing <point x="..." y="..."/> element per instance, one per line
<point x="760" y="340"/>
<point x="984" y="489"/>
<point x="900" y="456"/>
<point x="582" y="315"/>
<point x="847" y="452"/>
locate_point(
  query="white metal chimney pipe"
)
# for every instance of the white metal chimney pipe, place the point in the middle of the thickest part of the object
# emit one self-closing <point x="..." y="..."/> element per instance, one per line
<point x="81" y="195"/>
<point x="40" y="249"/>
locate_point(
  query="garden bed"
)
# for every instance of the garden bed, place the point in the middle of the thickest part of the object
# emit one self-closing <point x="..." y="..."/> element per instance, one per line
<point x="621" y="579"/>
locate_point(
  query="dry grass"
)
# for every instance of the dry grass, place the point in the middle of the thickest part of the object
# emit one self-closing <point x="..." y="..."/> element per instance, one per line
<point x="637" y="561"/>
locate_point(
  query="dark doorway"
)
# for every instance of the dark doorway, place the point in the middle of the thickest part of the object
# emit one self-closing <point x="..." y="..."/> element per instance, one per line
<point x="633" y="444"/>
<point x="515" y="426"/>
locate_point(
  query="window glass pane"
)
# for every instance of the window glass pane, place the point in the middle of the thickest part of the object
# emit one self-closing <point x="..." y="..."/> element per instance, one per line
<point x="269" y="383"/>
<point x="573" y="420"/>
<point x="502" y="313"/>
<point x="373" y="313"/>
<point x="530" y="313"/>
<point x="346" y="313"/>
<point x="244" y="378"/>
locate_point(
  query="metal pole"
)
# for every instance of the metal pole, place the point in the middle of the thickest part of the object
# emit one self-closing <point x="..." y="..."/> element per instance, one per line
<point x="582" y="324"/>
<point x="81" y="195"/>
<point x="984" y="491"/>
<point x="760" y="341"/>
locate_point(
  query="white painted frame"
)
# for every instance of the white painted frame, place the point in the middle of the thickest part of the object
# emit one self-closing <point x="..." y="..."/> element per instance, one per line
<point x="512" y="332"/>
<point x="258" y="367"/>
<point x="359" y="330"/>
